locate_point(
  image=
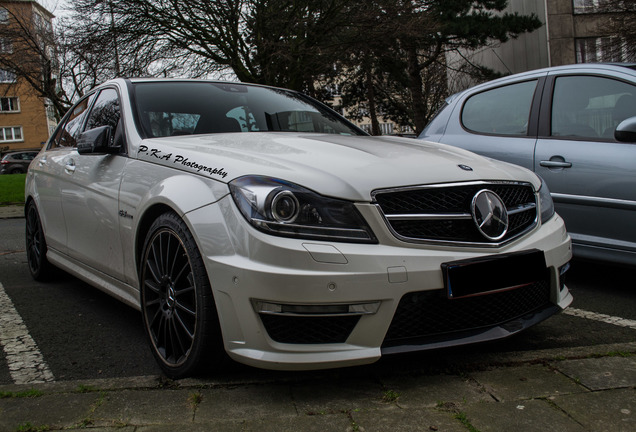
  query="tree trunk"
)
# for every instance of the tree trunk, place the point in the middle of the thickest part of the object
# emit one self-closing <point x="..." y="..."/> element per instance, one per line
<point x="373" y="115"/>
<point x="415" y="87"/>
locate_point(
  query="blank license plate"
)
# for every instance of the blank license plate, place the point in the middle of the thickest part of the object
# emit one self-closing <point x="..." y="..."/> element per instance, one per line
<point x="493" y="273"/>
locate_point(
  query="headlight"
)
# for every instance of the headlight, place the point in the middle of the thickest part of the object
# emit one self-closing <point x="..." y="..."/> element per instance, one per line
<point x="281" y="208"/>
<point x="546" y="203"/>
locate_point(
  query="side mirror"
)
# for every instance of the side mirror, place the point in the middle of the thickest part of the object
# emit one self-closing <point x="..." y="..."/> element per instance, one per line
<point x="626" y="130"/>
<point x="97" y="141"/>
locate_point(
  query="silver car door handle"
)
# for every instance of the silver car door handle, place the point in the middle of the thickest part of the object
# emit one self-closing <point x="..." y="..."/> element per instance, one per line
<point x="70" y="166"/>
<point x="42" y="161"/>
<point x="555" y="164"/>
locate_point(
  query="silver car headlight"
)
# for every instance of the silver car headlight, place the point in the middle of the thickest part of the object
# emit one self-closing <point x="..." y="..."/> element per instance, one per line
<point x="281" y="208"/>
<point x="545" y="201"/>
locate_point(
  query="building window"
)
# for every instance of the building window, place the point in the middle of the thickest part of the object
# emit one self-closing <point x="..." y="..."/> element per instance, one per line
<point x="600" y="49"/>
<point x="386" y="128"/>
<point x="11" y="134"/>
<point x="585" y="6"/>
<point x="4" y="16"/>
<point x="592" y="6"/>
<point x="9" y="104"/>
<point x="6" y="46"/>
<point x="6" y="76"/>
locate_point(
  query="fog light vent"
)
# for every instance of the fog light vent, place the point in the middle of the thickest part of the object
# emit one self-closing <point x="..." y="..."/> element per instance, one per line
<point x="311" y="323"/>
<point x="315" y="310"/>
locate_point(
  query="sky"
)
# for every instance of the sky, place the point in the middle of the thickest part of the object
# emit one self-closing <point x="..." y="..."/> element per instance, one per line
<point x="56" y="7"/>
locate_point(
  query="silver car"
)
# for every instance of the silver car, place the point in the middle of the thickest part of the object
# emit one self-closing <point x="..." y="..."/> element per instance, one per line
<point x="16" y="162"/>
<point x="574" y="126"/>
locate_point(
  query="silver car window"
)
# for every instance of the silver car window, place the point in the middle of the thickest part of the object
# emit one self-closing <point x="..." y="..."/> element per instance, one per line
<point x="105" y="111"/>
<point x="66" y="136"/>
<point x="500" y="111"/>
<point x="591" y="106"/>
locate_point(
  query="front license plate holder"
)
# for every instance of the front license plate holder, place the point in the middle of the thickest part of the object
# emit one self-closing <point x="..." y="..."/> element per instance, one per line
<point x="494" y="273"/>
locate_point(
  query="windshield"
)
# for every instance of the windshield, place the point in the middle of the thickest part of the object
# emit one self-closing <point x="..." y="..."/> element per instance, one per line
<point x="190" y="108"/>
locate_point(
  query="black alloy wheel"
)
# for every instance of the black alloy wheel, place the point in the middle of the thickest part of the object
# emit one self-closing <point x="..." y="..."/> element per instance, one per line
<point x="36" y="249"/>
<point x="176" y="300"/>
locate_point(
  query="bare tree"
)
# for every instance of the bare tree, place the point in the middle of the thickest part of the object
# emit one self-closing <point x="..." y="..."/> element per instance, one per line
<point x="98" y="43"/>
<point x="390" y="52"/>
<point x="29" y="54"/>
<point x="286" y="43"/>
<point x="622" y="28"/>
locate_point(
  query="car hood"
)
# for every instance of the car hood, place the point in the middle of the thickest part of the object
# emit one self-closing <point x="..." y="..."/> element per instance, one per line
<point x="348" y="167"/>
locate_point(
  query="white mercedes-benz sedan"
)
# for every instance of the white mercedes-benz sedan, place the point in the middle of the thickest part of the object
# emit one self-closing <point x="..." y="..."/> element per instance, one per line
<point x="257" y="222"/>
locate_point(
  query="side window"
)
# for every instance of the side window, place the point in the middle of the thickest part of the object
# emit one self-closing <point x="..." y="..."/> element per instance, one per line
<point x="591" y="106"/>
<point x="66" y="136"/>
<point x="501" y="111"/>
<point x="105" y="111"/>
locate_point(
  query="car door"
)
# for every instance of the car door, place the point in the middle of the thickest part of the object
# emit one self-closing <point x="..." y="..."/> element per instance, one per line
<point x="49" y="171"/>
<point x="592" y="176"/>
<point x="498" y="122"/>
<point x="90" y="195"/>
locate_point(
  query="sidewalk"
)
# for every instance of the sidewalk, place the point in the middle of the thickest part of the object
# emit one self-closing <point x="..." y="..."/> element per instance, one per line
<point x="575" y="390"/>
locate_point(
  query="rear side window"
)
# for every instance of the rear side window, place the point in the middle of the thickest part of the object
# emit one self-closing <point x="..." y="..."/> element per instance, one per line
<point x="501" y="111"/>
<point x="25" y="156"/>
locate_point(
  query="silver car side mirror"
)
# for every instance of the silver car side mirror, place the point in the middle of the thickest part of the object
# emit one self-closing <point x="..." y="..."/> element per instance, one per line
<point x="626" y="130"/>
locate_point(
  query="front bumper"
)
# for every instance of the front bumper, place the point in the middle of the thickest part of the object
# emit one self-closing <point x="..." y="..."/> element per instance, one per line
<point x="293" y="304"/>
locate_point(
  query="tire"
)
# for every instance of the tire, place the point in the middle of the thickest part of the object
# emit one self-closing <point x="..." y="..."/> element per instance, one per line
<point x="177" y="305"/>
<point x="16" y="171"/>
<point x="39" y="266"/>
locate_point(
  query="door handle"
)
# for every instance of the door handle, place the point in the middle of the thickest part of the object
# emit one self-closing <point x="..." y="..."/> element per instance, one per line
<point x="42" y="161"/>
<point x="70" y="166"/>
<point x="555" y="164"/>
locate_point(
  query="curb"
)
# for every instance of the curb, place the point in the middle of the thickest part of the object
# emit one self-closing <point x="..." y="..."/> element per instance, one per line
<point x="11" y="211"/>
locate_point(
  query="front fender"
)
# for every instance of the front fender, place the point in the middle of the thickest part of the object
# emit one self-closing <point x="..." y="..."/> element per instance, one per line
<point x="148" y="190"/>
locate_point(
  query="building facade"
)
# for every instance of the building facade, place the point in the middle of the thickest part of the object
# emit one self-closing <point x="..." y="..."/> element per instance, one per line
<point x="26" y="119"/>
<point x="573" y="31"/>
<point x="577" y="32"/>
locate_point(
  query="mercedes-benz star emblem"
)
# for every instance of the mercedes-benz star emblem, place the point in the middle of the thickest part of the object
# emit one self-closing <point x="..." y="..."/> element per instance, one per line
<point x="490" y="214"/>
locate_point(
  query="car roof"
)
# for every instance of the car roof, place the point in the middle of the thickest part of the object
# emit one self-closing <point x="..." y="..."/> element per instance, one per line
<point x="630" y="68"/>
<point x="135" y="80"/>
<point x="20" y="151"/>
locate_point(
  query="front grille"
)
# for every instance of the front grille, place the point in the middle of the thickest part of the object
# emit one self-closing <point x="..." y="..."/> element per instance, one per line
<point x="430" y="315"/>
<point x="443" y="213"/>
<point x="309" y="330"/>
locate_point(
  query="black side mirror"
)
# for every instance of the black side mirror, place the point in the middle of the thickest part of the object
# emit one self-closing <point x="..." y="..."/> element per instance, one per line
<point x="626" y="130"/>
<point x="97" y="141"/>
